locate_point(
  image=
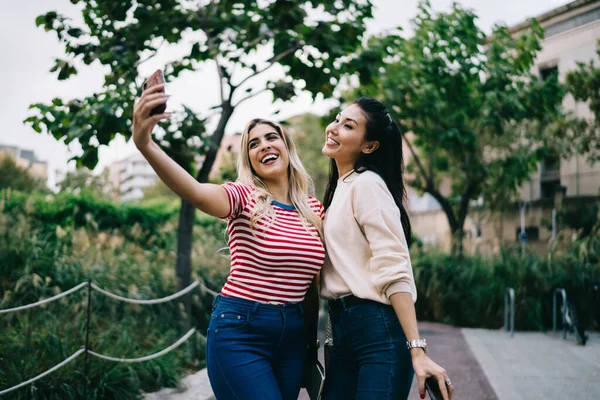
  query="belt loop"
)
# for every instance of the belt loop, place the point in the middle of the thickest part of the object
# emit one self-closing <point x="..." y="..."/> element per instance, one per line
<point x="343" y="302"/>
<point x="255" y="307"/>
<point x="216" y="301"/>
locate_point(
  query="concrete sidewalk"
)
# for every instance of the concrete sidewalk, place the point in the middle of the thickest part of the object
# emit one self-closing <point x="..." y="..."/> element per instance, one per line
<point x="534" y="365"/>
<point x="483" y="365"/>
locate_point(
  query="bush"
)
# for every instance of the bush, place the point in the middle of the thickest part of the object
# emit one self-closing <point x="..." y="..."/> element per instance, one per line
<point x="469" y="291"/>
<point x="42" y="255"/>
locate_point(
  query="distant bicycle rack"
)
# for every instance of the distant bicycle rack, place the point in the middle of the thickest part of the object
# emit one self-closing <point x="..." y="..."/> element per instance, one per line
<point x="509" y="311"/>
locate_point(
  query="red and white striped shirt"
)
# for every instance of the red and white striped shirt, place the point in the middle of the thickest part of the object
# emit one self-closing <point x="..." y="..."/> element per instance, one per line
<point x="273" y="263"/>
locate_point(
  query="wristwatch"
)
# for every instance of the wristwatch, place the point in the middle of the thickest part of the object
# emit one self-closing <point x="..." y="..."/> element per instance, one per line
<point x="422" y="343"/>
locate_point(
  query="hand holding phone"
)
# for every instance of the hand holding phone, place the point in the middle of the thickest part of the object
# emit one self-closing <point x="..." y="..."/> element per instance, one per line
<point x="157" y="78"/>
<point x="433" y="388"/>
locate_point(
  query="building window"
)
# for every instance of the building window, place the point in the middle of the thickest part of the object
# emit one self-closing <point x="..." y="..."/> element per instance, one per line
<point x="573" y="22"/>
<point x="547" y="72"/>
<point x="550" y="177"/>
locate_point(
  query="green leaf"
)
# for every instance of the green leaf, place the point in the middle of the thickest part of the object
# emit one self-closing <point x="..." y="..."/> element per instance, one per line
<point x="75" y="32"/>
<point x="40" y="20"/>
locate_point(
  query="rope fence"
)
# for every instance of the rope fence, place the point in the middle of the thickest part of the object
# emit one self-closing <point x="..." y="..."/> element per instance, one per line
<point x="147" y="358"/>
<point x="45" y="301"/>
<point x="65" y="362"/>
<point x="85" y="349"/>
<point x="153" y="301"/>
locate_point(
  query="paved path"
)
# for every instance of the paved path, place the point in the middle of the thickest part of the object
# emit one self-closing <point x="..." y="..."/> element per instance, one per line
<point x="534" y="365"/>
<point x="484" y="365"/>
<point x="447" y="347"/>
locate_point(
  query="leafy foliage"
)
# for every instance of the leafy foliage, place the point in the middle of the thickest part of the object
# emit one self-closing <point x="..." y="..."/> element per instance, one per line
<point x="584" y="84"/>
<point x="122" y="35"/>
<point x="40" y="260"/>
<point x="309" y="41"/>
<point x="15" y="177"/>
<point x="472" y="109"/>
<point x="82" y="180"/>
<point x="308" y="133"/>
<point x="469" y="291"/>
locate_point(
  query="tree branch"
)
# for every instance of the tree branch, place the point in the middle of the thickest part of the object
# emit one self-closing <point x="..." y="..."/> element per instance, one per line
<point x="251" y="95"/>
<point x="274" y="60"/>
<point x="417" y="160"/>
<point x="210" y="43"/>
<point x="250" y="45"/>
<point x="446" y="206"/>
<point x="140" y="62"/>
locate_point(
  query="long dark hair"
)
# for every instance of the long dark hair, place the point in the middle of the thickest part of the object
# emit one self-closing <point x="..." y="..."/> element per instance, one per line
<point x="386" y="161"/>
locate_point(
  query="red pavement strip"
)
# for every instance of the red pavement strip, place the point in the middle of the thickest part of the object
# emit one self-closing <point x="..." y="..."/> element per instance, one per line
<point x="446" y="346"/>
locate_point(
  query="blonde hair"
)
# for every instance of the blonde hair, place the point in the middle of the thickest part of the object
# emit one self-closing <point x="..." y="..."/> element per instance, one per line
<point x="300" y="183"/>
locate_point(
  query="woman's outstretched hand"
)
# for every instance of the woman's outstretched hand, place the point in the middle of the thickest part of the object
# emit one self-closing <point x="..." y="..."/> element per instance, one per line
<point x="424" y="368"/>
<point x="143" y="122"/>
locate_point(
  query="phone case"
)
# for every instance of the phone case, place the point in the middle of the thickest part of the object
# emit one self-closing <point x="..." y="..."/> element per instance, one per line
<point x="433" y="389"/>
<point x="156" y="78"/>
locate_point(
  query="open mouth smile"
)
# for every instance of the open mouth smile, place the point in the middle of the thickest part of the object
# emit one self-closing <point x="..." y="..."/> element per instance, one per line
<point x="269" y="159"/>
<point x="332" y="142"/>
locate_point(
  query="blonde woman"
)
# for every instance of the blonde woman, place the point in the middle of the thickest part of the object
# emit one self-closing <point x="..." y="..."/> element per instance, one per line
<point x="256" y="341"/>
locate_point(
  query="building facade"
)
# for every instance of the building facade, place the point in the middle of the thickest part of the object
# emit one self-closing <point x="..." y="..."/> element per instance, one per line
<point x="130" y="176"/>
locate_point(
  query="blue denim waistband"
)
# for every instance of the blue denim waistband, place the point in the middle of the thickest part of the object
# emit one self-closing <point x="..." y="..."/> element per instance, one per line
<point x="255" y="305"/>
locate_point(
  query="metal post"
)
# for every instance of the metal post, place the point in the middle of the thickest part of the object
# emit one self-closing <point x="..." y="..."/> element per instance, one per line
<point x="87" y="335"/>
<point x="553" y="224"/>
<point x="509" y="308"/>
<point x="523" y="237"/>
<point x="563" y="292"/>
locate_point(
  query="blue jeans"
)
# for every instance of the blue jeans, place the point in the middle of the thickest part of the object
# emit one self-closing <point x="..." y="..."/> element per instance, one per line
<point x="369" y="359"/>
<point x="255" y="351"/>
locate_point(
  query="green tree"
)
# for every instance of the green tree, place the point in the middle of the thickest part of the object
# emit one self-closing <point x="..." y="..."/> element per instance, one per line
<point x="83" y="180"/>
<point x="15" y="177"/>
<point x="308" y="40"/>
<point x="473" y="111"/>
<point x="584" y="84"/>
<point x="157" y="191"/>
<point x="309" y="136"/>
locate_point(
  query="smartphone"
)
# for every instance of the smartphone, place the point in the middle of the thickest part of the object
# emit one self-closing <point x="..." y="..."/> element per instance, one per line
<point x="156" y="78"/>
<point x="433" y="388"/>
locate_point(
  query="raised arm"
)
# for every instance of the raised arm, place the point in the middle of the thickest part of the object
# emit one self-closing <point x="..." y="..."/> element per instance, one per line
<point x="212" y="199"/>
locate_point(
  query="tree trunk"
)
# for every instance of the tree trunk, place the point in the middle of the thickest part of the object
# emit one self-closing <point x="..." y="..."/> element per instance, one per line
<point x="457" y="239"/>
<point x="186" y="215"/>
<point x="184" y="256"/>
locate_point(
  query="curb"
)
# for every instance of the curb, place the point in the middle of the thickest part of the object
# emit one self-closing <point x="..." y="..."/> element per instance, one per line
<point x="192" y="387"/>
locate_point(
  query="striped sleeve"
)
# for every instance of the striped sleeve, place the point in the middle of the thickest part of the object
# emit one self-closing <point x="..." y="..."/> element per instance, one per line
<point x="238" y="195"/>
<point x="317" y="207"/>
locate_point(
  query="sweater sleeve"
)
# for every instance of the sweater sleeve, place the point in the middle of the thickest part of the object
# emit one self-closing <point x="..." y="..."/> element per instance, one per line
<point x="379" y="219"/>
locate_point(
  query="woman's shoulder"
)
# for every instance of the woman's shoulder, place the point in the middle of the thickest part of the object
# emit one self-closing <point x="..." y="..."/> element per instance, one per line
<point x="239" y="185"/>
<point x="314" y="203"/>
<point x="368" y="178"/>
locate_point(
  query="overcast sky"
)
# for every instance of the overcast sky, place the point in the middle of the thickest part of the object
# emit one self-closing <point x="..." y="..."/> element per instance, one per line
<point x="28" y="53"/>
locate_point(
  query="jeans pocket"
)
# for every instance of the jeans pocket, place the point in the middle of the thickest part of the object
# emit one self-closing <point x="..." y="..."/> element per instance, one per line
<point x="229" y="318"/>
<point x="365" y="310"/>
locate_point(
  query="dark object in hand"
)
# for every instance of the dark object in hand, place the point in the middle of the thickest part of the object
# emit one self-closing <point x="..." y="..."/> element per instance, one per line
<point x="433" y="388"/>
<point x="157" y="78"/>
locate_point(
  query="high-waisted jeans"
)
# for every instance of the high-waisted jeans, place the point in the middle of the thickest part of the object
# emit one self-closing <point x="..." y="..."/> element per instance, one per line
<point x="255" y="351"/>
<point x="369" y="359"/>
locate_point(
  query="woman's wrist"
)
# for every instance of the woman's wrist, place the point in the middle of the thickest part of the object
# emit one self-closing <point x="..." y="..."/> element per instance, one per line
<point x="144" y="144"/>
<point x="417" y="352"/>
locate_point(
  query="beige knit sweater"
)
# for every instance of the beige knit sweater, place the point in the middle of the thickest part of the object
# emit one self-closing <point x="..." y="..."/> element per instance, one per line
<point x="367" y="252"/>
